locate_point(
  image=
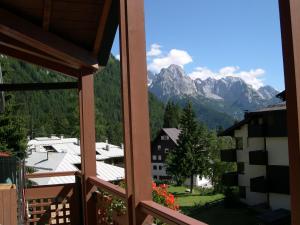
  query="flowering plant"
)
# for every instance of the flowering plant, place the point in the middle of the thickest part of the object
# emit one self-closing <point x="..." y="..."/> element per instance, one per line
<point x="161" y="196"/>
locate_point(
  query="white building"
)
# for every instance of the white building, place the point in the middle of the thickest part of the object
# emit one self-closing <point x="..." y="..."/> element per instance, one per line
<point x="56" y="154"/>
<point x="261" y="155"/>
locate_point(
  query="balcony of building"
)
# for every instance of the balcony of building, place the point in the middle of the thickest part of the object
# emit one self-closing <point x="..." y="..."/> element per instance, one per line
<point x="230" y="179"/>
<point x="259" y="157"/>
<point x="259" y="184"/>
<point x="228" y="155"/>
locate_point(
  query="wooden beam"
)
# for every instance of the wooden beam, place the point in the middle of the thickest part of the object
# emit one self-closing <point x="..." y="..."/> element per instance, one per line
<point x="108" y="33"/>
<point x="169" y="216"/>
<point x="87" y="146"/>
<point x="290" y="32"/>
<point x="47" y="14"/>
<point x="135" y="108"/>
<point x="109" y="187"/>
<point x="41" y="61"/>
<point x="103" y="20"/>
<point x="38" y="86"/>
<point x="25" y="32"/>
<point x="52" y="174"/>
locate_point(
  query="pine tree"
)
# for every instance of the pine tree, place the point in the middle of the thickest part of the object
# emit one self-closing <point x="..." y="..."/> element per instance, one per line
<point x="195" y="142"/>
<point x="12" y="129"/>
<point x="190" y="156"/>
<point x="171" y="115"/>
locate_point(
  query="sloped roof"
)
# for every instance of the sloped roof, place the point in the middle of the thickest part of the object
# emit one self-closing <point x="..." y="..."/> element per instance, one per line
<point x="66" y="156"/>
<point x="173" y="133"/>
<point x="248" y="116"/>
<point x="106" y="151"/>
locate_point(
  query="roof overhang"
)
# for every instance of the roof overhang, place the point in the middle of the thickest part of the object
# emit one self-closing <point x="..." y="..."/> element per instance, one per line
<point x="40" y="41"/>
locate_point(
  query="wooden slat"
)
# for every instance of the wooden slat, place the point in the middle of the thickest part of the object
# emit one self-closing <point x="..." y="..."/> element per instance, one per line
<point x="38" y="86"/>
<point x="109" y="187"/>
<point x="47" y="14"/>
<point x="49" y="191"/>
<point x="108" y="34"/>
<point x="167" y="215"/>
<point x="41" y="61"/>
<point x="102" y="25"/>
<point x="52" y="174"/>
<point x="34" y="36"/>
<point x="13" y="207"/>
<point x="6" y="209"/>
<point x="37" y="204"/>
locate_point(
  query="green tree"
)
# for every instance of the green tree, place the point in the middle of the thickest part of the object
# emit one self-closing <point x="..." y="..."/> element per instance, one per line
<point x="171" y="115"/>
<point x="189" y="158"/>
<point x="12" y="129"/>
<point x="217" y="167"/>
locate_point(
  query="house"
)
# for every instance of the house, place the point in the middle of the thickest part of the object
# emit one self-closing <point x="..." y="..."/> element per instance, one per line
<point x="165" y="142"/>
<point x="59" y="154"/>
<point x="261" y="154"/>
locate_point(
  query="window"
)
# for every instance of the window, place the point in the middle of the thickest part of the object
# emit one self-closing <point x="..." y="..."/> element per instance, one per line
<point x="242" y="192"/>
<point x="154" y="167"/>
<point x="241" y="167"/>
<point x="239" y="143"/>
<point x="154" y="157"/>
<point x="160" y="167"/>
<point x="166" y="150"/>
<point x="159" y="157"/>
<point x="164" y="137"/>
<point x="158" y="147"/>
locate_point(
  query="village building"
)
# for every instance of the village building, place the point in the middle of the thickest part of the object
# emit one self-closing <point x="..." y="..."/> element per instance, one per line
<point x="261" y="154"/>
<point x="59" y="154"/>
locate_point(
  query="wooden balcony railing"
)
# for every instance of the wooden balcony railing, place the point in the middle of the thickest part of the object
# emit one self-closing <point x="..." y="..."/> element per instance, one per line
<point x="61" y="204"/>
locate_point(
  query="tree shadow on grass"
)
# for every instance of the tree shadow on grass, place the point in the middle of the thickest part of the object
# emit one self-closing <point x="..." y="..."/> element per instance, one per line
<point x="220" y="215"/>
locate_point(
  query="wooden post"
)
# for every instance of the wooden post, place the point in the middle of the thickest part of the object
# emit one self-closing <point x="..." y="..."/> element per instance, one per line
<point x="290" y="30"/>
<point x="87" y="146"/>
<point x="135" y="108"/>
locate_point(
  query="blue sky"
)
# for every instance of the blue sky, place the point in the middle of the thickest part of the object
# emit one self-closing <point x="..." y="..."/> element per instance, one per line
<point x="216" y="38"/>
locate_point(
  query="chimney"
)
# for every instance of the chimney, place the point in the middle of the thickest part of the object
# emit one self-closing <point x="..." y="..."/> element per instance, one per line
<point x="122" y="146"/>
<point x="61" y="137"/>
<point x="107" y="147"/>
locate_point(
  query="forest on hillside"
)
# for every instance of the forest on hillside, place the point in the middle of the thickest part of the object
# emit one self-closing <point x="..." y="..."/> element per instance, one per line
<point x="56" y="112"/>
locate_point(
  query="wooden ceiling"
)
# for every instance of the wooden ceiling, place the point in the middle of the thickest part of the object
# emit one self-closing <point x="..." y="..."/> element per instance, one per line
<point x="70" y="36"/>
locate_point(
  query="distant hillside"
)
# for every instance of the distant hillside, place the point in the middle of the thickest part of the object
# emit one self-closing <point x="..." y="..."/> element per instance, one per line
<point x="56" y="112"/>
<point x="217" y="102"/>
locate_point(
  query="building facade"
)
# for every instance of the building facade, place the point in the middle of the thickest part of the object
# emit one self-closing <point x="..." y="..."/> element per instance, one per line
<point x="261" y="154"/>
<point x="165" y="142"/>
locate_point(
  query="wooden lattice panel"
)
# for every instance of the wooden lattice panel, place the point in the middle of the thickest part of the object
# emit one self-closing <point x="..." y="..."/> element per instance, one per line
<point x="49" y="211"/>
<point x="53" y="205"/>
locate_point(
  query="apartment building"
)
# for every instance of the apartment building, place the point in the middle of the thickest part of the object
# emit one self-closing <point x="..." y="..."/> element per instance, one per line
<point x="261" y="154"/>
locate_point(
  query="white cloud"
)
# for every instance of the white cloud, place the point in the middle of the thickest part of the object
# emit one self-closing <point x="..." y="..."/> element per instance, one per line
<point x="118" y="57"/>
<point x="175" y="56"/>
<point x="252" y="77"/>
<point x="155" y="50"/>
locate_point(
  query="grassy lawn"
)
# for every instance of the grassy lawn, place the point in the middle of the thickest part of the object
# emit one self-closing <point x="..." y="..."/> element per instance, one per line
<point x="186" y="199"/>
<point x="193" y="205"/>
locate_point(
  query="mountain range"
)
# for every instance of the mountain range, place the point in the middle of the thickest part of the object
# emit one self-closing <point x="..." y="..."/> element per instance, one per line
<point x="217" y="102"/>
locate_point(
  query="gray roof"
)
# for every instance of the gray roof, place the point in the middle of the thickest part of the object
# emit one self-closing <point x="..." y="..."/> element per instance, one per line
<point x="248" y="115"/>
<point x="173" y="133"/>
